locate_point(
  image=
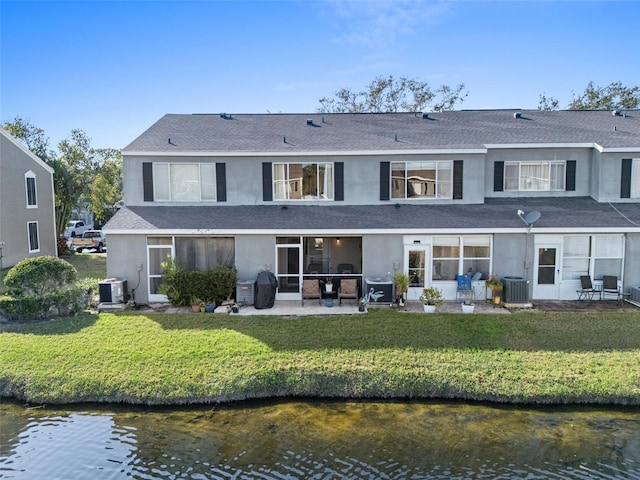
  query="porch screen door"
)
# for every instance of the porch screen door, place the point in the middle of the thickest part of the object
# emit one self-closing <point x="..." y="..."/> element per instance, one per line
<point x="416" y="262"/>
<point x="288" y="271"/>
<point x="546" y="274"/>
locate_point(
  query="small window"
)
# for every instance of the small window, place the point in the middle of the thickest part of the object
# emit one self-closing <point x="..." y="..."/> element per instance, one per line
<point x="30" y="185"/>
<point x="34" y="242"/>
<point x="635" y="178"/>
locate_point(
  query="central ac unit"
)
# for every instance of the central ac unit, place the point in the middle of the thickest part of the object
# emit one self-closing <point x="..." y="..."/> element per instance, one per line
<point x="634" y="295"/>
<point x="112" y="290"/>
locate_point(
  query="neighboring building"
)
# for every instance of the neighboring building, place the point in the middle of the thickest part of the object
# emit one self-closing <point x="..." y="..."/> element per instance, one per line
<point x="365" y="195"/>
<point x="27" y="209"/>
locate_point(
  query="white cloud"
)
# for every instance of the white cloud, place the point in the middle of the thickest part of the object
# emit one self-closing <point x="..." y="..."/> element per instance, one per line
<point x="381" y="23"/>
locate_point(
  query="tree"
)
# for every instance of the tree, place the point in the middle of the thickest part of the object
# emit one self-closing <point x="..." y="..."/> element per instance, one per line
<point x="78" y="170"/>
<point x="610" y="97"/>
<point x="548" y="103"/>
<point x="388" y="94"/>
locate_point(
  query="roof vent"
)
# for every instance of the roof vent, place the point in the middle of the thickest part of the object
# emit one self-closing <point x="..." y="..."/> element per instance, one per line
<point x="309" y="121"/>
<point x="225" y="116"/>
<point x="517" y="115"/>
<point x="425" y="114"/>
<point x="616" y="112"/>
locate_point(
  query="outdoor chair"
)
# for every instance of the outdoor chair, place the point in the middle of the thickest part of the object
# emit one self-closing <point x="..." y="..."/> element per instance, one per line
<point x="348" y="289"/>
<point x="311" y="290"/>
<point x="610" y="287"/>
<point x="464" y="290"/>
<point x="345" y="268"/>
<point x="587" y="290"/>
<point x="314" y="268"/>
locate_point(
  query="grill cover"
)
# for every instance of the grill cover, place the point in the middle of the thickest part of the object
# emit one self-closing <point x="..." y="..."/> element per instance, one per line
<point x="265" y="294"/>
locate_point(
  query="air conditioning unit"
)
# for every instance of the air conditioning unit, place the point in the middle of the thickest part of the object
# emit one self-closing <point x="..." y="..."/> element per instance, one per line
<point x="634" y="294"/>
<point x="516" y="290"/>
<point x="112" y="290"/>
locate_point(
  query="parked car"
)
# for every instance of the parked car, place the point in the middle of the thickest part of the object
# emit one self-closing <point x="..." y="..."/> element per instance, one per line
<point x="90" y="239"/>
<point x="76" y="228"/>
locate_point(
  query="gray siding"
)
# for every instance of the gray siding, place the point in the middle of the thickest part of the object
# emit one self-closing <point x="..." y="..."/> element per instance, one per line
<point x="125" y="253"/>
<point x="14" y="214"/>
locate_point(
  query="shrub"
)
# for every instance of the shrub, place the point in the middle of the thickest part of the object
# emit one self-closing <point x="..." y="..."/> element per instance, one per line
<point x="45" y="287"/>
<point x="39" y="276"/>
<point x="181" y="285"/>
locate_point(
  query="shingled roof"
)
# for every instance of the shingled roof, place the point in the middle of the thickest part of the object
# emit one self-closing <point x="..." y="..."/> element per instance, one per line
<point x="495" y="213"/>
<point x="465" y="129"/>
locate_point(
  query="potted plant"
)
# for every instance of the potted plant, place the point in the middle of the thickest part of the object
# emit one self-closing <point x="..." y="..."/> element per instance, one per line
<point x="401" y="281"/>
<point x="431" y="298"/>
<point x="196" y="303"/>
<point x="468" y="306"/>
<point x="362" y="305"/>
<point x="210" y="306"/>
<point x="328" y="285"/>
<point x="494" y="282"/>
<point x="235" y="308"/>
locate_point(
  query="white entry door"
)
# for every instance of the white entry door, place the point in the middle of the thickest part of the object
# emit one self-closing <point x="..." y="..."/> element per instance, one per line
<point x="547" y="272"/>
<point x="417" y="261"/>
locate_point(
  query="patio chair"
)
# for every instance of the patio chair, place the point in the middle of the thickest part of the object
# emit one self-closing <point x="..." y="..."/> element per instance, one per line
<point x="587" y="290"/>
<point x="345" y="268"/>
<point x="314" y="268"/>
<point x="348" y="289"/>
<point x="464" y="290"/>
<point x="311" y="289"/>
<point x="610" y="287"/>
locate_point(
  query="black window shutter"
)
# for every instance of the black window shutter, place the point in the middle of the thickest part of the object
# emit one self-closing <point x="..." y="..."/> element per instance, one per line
<point x="498" y="176"/>
<point x="267" y="182"/>
<point x="221" y="182"/>
<point x="385" y="180"/>
<point x="625" y="178"/>
<point x="570" y="174"/>
<point x="147" y="181"/>
<point x="339" y="181"/>
<point x="457" y="179"/>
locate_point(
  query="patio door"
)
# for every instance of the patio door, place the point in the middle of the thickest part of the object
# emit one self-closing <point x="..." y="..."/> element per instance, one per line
<point x="547" y="272"/>
<point x="288" y="262"/>
<point x="416" y="262"/>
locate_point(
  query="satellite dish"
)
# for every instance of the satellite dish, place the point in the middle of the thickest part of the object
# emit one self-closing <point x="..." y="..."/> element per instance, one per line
<point x="531" y="217"/>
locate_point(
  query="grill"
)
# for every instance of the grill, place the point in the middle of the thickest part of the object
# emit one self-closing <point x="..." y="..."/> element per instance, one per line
<point x="516" y="290"/>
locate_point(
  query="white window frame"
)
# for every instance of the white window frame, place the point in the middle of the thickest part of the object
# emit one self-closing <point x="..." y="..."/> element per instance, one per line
<point x="164" y="172"/>
<point x="635" y="178"/>
<point x="283" y="185"/>
<point x="544" y="183"/>
<point x="443" y="187"/>
<point x="37" y="237"/>
<point x="460" y="242"/>
<point x="31" y="176"/>
<point x="597" y="243"/>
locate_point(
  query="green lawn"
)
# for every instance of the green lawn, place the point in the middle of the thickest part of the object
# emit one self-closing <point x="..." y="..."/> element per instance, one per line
<point x="531" y="357"/>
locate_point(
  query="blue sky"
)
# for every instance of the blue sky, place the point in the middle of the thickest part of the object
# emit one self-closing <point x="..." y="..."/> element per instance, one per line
<point x="113" y="68"/>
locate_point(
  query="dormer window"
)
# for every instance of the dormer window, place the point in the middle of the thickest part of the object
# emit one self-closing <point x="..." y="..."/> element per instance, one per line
<point x="30" y="186"/>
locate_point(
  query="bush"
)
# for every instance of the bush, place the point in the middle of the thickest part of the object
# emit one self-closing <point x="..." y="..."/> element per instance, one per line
<point x="181" y="285"/>
<point x="39" y="276"/>
<point x="45" y="287"/>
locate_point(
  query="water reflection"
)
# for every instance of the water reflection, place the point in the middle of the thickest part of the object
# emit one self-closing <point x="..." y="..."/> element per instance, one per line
<point x="322" y="440"/>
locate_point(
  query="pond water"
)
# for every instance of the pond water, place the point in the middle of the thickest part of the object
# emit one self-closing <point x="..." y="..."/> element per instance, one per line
<point x="320" y="440"/>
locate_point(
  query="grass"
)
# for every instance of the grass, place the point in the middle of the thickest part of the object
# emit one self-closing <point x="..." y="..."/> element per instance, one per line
<point x="528" y="357"/>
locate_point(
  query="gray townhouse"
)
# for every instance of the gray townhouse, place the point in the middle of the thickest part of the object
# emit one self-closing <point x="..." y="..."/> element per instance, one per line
<point x="539" y="196"/>
<point x="27" y="208"/>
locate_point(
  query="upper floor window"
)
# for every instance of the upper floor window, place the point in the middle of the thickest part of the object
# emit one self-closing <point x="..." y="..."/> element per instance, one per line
<point x="303" y="181"/>
<point x="433" y="179"/>
<point x="32" y="232"/>
<point x="30" y="186"/>
<point x="184" y="182"/>
<point x="635" y="178"/>
<point x="534" y="176"/>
